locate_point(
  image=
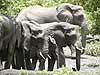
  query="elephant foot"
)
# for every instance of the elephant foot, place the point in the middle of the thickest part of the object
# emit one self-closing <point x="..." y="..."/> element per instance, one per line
<point x="7" y="66"/>
<point x="41" y="67"/>
<point x="33" y="68"/>
<point x="1" y="67"/>
<point x="74" y="69"/>
<point x="42" y="64"/>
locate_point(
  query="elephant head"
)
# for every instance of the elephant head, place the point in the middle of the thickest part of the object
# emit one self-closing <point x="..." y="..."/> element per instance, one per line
<point x="64" y="13"/>
<point x="73" y="14"/>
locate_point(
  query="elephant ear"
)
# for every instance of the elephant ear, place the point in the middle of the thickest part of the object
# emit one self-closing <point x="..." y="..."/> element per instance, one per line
<point x="77" y="7"/>
<point x="64" y="7"/>
<point x="64" y="12"/>
<point x="69" y="7"/>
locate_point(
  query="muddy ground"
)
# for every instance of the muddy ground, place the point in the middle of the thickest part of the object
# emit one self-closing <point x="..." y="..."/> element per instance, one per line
<point x="88" y="64"/>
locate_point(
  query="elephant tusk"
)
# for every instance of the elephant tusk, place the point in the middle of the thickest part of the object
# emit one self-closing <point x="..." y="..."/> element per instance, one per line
<point x="78" y="48"/>
<point x="49" y="56"/>
<point x="81" y="49"/>
<point x="52" y="40"/>
<point x="42" y="56"/>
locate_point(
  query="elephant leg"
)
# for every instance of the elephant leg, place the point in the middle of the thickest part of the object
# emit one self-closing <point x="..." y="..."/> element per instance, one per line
<point x="11" y="50"/>
<point x="1" y="43"/>
<point x="9" y="58"/>
<point x="41" y="64"/>
<point x="51" y="63"/>
<point x="34" y="61"/>
<point x="27" y="61"/>
<point x="60" y="58"/>
<point x="1" y="66"/>
<point x="18" y="60"/>
<point x="6" y="65"/>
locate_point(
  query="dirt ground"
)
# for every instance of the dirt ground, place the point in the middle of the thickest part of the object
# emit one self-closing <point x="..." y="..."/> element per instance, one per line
<point x="88" y="64"/>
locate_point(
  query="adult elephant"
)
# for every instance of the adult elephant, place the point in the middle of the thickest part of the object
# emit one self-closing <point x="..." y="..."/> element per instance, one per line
<point x="37" y="15"/>
<point x="36" y="43"/>
<point x="55" y="36"/>
<point x="30" y="46"/>
<point x="7" y="38"/>
<point x="63" y="34"/>
<point x="64" y="12"/>
<point x="79" y="18"/>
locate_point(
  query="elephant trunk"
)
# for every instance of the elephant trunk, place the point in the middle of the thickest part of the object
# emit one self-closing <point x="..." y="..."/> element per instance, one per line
<point x="83" y="32"/>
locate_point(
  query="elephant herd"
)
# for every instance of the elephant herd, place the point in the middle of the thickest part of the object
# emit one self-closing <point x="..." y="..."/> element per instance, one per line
<point x="39" y="33"/>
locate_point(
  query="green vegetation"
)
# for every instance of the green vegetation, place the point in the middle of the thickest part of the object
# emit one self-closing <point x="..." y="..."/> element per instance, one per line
<point x="92" y="9"/>
<point x="93" y="48"/>
<point x="61" y="71"/>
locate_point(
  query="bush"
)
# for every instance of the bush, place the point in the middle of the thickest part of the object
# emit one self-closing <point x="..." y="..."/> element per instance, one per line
<point x="92" y="8"/>
<point x="93" y="48"/>
<point x="96" y="26"/>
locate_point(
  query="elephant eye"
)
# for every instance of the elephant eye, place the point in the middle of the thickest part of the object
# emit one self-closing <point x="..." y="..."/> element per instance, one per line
<point x="81" y="16"/>
<point x="72" y="28"/>
<point x="74" y="11"/>
<point x="68" y="31"/>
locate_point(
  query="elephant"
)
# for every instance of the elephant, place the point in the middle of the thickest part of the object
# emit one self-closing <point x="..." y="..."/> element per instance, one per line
<point x="7" y="39"/>
<point x="64" y="12"/>
<point x="35" y="43"/>
<point x="79" y="18"/>
<point x="37" y="15"/>
<point x="29" y="46"/>
<point x="63" y="33"/>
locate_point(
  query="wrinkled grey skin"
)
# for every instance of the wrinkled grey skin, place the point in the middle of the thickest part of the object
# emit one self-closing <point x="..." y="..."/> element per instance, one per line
<point x="61" y="32"/>
<point x="37" y="15"/>
<point x="33" y="47"/>
<point x="7" y="38"/>
<point x="64" y="35"/>
<point x="35" y="42"/>
<point x="64" y="12"/>
<point x="30" y="45"/>
<point x="77" y="18"/>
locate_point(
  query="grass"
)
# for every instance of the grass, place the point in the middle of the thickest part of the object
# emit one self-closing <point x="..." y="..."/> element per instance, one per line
<point x="61" y="71"/>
